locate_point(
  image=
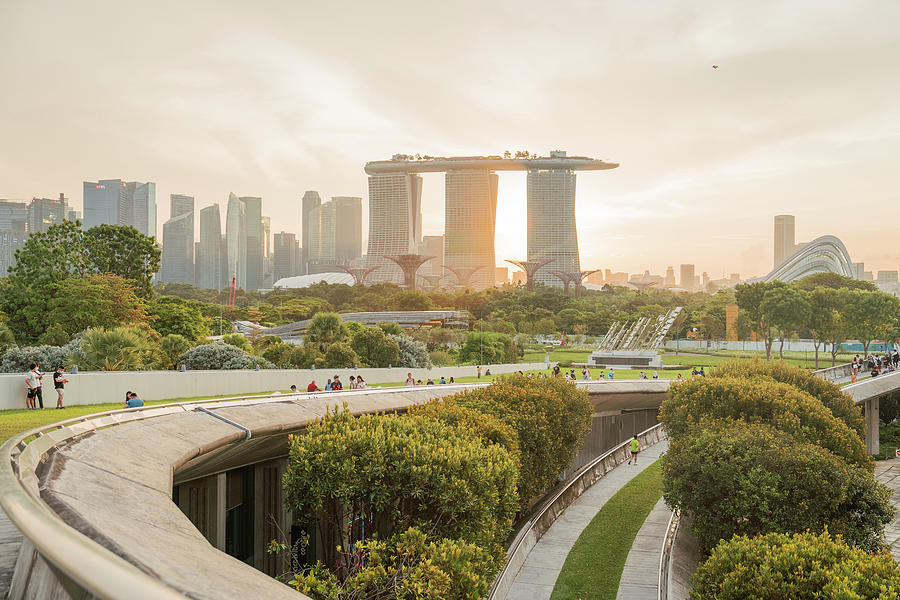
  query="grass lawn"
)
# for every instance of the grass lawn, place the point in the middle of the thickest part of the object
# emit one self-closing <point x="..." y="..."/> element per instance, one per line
<point x="594" y="565"/>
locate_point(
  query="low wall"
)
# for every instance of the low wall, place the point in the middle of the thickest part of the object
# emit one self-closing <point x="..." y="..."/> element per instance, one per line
<point x="98" y="387"/>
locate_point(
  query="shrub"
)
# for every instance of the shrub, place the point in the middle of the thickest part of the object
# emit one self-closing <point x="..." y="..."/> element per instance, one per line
<point x="340" y="356"/>
<point x="219" y="355"/>
<point x="18" y="359"/>
<point x="172" y="347"/>
<point x="441" y="358"/>
<point x="489" y="348"/>
<point x="550" y="417"/>
<point x="839" y="403"/>
<point x="116" y="349"/>
<point x="399" y="471"/>
<point x="802" y="565"/>
<point x="237" y="340"/>
<point x="412" y="353"/>
<point x="408" y="565"/>
<point x="785" y="407"/>
<point x="179" y="316"/>
<point x="748" y="479"/>
<point x="487" y="428"/>
<point x="375" y="348"/>
<point x="325" y="329"/>
<point x="7" y="339"/>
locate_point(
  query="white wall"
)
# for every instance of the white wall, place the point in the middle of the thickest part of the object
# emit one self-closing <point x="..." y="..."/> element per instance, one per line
<point x="101" y="387"/>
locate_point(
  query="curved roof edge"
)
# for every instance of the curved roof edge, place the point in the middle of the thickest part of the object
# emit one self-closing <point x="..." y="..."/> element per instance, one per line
<point x="487" y="163"/>
<point x="825" y="254"/>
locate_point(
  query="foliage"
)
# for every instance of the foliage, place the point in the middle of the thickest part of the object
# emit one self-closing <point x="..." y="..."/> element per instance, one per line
<point x="340" y="356"/>
<point x="326" y="329"/>
<point x="7" y="338"/>
<point x="489" y="348"/>
<point x="236" y="340"/>
<point x="723" y="401"/>
<point x="833" y="281"/>
<point x="177" y="316"/>
<point x="407" y="566"/>
<point x="173" y="346"/>
<point x="219" y="355"/>
<point x="550" y="418"/>
<point x="78" y="303"/>
<point x="839" y="403"/>
<point x="750" y="298"/>
<point x="55" y="335"/>
<point x="802" y="565"/>
<point x="391" y="329"/>
<point x="375" y="348"/>
<point x="787" y="309"/>
<point x="744" y="479"/>
<point x="870" y="315"/>
<point x="18" y="359"/>
<point x="412" y="353"/>
<point x="116" y="349"/>
<point x="123" y="250"/>
<point x="399" y="471"/>
<point x="485" y="427"/>
<point x="413" y="300"/>
<point x="441" y="358"/>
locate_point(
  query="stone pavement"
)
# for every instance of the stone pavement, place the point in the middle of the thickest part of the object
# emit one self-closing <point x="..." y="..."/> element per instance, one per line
<point x="536" y="578"/>
<point x="10" y="540"/>
<point x="888" y="473"/>
<point x="640" y="577"/>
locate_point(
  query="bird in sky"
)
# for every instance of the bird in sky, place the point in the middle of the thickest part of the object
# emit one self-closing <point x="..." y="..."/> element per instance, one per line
<point x="715" y="66"/>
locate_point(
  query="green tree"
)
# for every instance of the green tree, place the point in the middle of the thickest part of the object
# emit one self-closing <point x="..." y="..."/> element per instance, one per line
<point x="173" y="346"/>
<point x="340" y="356"/>
<point x="749" y="299"/>
<point x="822" y="317"/>
<point x="870" y="315"/>
<point x="7" y="338"/>
<point x="124" y="251"/>
<point x="326" y="329"/>
<point x="237" y="340"/>
<point x="376" y="349"/>
<point x="833" y="281"/>
<point x="786" y="308"/>
<point x="411" y="300"/>
<point x="116" y="349"/>
<point x="78" y="303"/>
<point x="391" y="329"/>
<point x="177" y="316"/>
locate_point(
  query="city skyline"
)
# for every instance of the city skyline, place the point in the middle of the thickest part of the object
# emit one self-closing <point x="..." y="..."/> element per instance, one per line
<point x="801" y="121"/>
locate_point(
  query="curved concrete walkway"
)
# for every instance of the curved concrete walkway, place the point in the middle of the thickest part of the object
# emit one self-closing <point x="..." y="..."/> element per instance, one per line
<point x="640" y="577"/>
<point x="536" y="578"/>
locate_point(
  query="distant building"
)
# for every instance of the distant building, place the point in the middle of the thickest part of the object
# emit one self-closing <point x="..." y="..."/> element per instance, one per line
<point x="255" y="242"/>
<point x="784" y="238"/>
<point x="887" y="277"/>
<point x="669" y="279"/>
<point x="286" y="256"/>
<point x="236" y="241"/>
<point x="595" y="278"/>
<point x="687" y="279"/>
<point x="177" y="264"/>
<point x="433" y="245"/>
<point x="310" y="201"/>
<point x="501" y="275"/>
<point x="519" y="278"/>
<point x="395" y="221"/>
<point x="470" y="223"/>
<point x="551" y="222"/>
<point x="44" y="212"/>
<point x="13" y="232"/>
<point x="210" y="259"/>
<point x="117" y="202"/>
<point x="268" y="268"/>
<point x="348" y="224"/>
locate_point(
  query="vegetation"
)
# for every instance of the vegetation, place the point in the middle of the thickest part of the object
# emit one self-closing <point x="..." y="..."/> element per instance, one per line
<point x="594" y="565"/>
<point x="802" y="565"/>
<point x="219" y="355"/>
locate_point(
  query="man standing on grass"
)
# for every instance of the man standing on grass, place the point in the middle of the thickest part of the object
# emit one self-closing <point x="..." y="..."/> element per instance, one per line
<point x="635" y="448"/>
<point x="59" y="384"/>
<point x="31" y="385"/>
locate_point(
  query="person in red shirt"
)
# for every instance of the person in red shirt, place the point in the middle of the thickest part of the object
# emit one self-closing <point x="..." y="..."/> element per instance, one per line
<point x="312" y="387"/>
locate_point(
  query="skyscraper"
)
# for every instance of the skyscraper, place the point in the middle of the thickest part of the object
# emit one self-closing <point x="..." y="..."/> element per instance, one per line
<point x="116" y="202"/>
<point x="469" y="223"/>
<point x="255" y="242"/>
<point x="784" y="238"/>
<point x="210" y="259"/>
<point x="395" y="221"/>
<point x="286" y="256"/>
<point x="13" y="232"/>
<point x="311" y="200"/>
<point x="551" y="221"/>
<point x="321" y="230"/>
<point x="669" y="279"/>
<point x="348" y="224"/>
<point x="433" y="245"/>
<point x="236" y="241"/>
<point x="44" y="212"/>
<point x="177" y="263"/>
<point x="688" y="280"/>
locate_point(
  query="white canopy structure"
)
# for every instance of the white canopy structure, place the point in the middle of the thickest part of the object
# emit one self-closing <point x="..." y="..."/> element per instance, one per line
<point x="825" y="254"/>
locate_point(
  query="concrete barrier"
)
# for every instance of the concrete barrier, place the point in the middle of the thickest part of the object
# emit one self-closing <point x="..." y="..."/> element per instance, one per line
<point x="99" y="387"/>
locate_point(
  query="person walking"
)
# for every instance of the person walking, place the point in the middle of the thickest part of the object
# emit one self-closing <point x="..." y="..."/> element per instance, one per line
<point x="635" y="448"/>
<point x="31" y="386"/>
<point x="59" y="384"/>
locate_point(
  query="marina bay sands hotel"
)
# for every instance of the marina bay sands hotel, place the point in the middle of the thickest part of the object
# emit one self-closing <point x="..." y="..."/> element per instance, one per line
<point x="395" y="212"/>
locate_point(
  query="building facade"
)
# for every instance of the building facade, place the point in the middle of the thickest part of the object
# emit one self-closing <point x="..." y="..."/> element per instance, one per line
<point x="470" y="223"/>
<point x="687" y="279"/>
<point x="117" y="202"/>
<point x="348" y="228"/>
<point x="177" y="264"/>
<point x="236" y="241"/>
<point x="433" y="245"/>
<point x="211" y="260"/>
<point x="310" y="201"/>
<point x="286" y="256"/>
<point x="44" y="212"/>
<point x="551" y="223"/>
<point x="395" y="221"/>
<point x="255" y="242"/>
<point x="785" y="242"/>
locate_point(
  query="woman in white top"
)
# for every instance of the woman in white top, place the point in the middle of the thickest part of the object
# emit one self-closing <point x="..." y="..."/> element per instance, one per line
<point x="409" y="380"/>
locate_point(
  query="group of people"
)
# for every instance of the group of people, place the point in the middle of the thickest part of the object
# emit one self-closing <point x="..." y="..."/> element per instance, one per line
<point x="34" y="389"/>
<point x="876" y="365"/>
<point x="335" y="384"/>
<point x="410" y="381"/>
<point x="132" y="400"/>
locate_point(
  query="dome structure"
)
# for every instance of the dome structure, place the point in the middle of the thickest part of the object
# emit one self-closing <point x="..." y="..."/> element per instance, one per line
<point x="825" y="254"/>
<point x="302" y="281"/>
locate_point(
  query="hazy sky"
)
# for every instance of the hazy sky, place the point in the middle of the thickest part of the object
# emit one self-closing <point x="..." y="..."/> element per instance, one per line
<point x="272" y="98"/>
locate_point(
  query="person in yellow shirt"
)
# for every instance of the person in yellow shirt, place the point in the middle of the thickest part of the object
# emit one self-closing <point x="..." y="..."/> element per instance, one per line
<point x="635" y="448"/>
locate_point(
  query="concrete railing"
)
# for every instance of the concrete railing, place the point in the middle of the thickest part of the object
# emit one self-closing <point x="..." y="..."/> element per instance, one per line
<point x="835" y="373"/>
<point x="546" y="513"/>
<point x="100" y="387"/>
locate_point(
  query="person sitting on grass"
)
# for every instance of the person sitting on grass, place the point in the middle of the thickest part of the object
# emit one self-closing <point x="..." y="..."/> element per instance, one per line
<point x="133" y="401"/>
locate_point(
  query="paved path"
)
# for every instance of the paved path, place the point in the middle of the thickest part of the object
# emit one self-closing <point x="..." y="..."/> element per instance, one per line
<point x="888" y="473"/>
<point x="536" y="578"/>
<point x="10" y="540"/>
<point x="640" y="577"/>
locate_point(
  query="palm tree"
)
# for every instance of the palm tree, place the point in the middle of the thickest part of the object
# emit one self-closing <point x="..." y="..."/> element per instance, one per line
<point x="117" y="349"/>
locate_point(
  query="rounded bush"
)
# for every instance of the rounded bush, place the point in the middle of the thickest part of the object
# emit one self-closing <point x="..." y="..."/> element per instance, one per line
<point x="783" y="406"/>
<point x="219" y="355"/>
<point x="839" y="403"/>
<point x="740" y="479"/>
<point x="803" y="565"/>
